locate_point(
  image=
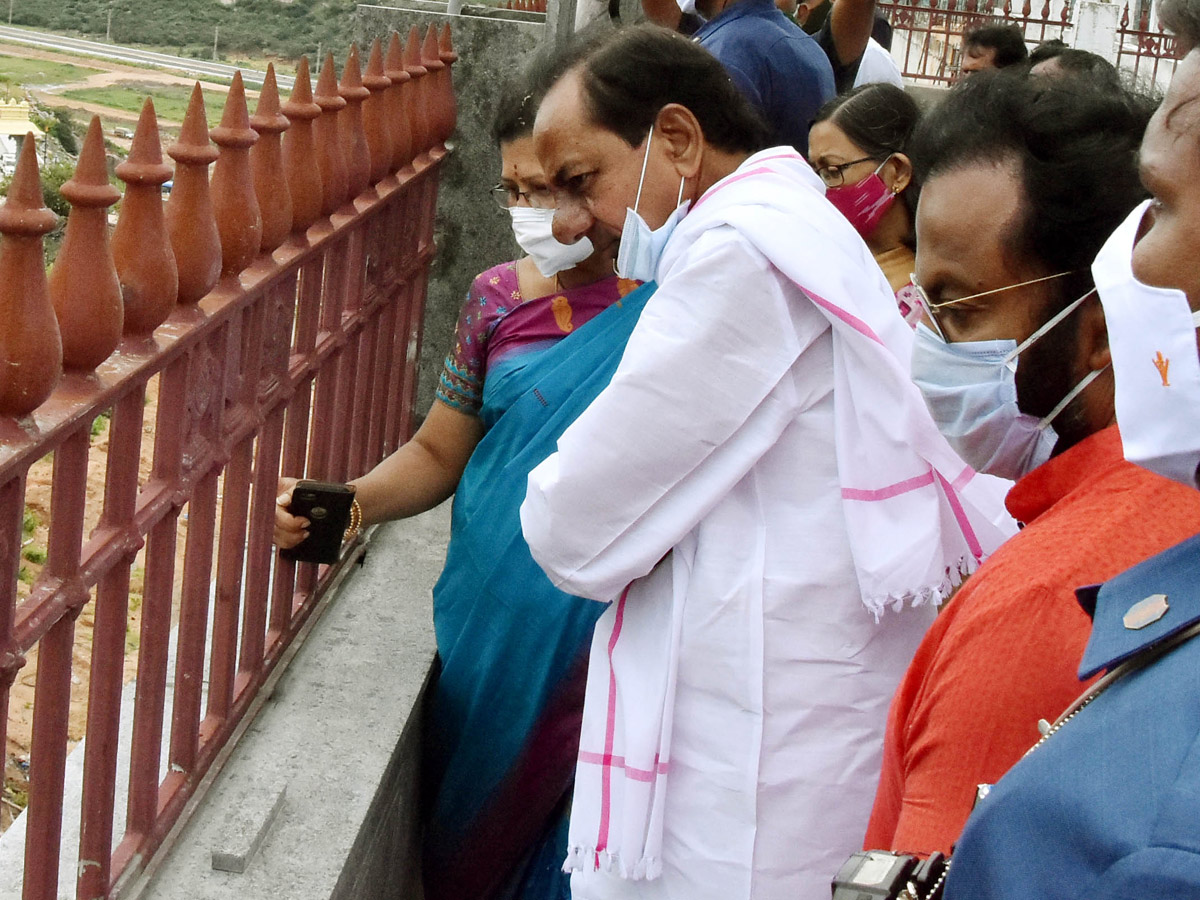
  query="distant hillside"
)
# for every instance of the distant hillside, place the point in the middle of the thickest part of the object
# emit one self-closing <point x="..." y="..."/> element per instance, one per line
<point x="245" y="27"/>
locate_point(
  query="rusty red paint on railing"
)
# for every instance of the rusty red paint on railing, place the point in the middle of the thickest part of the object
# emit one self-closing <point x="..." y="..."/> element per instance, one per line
<point x="927" y="40"/>
<point x="29" y="337"/>
<point x="335" y="180"/>
<point x="1152" y="46"/>
<point x="191" y="223"/>
<point x="83" y="282"/>
<point x="301" y="358"/>
<point x="266" y="156"/>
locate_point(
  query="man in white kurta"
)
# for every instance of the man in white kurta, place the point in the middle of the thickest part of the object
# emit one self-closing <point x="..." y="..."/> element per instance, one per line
<point x="738" y="685"/>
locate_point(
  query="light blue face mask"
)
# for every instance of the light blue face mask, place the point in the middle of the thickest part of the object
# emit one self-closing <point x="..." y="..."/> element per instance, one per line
<point x="642" y="247"/>
<point x="971" y="390"/>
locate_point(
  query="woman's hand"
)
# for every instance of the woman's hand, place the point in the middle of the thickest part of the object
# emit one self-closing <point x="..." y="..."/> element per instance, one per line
<point x="289" y="530"/>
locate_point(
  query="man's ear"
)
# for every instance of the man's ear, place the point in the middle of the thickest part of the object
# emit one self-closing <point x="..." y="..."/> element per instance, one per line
<point x="1093" y="335"/>
<point x="897" y="172"/>
<point x="680" y="131"/>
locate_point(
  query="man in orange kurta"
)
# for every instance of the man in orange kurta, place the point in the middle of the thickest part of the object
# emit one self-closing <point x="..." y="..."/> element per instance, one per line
<point x="1004" y="652"/>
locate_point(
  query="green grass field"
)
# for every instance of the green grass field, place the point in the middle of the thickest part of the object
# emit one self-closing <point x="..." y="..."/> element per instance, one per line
<point x="39" y="71"/>
<point x="170" y="100"/>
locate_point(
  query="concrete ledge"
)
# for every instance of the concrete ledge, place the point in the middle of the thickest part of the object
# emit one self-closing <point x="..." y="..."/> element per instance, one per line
<point x="340" y="735"/>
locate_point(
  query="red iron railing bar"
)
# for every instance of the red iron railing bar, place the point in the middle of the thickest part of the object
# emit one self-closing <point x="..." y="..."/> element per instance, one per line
<point x="108" y="648"/>
<point x="233" y="408"/>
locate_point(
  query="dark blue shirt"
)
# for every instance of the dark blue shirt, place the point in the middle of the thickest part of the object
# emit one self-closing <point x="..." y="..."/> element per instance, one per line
<point x="776" y="66"/>
<point x="1108" y="808"/>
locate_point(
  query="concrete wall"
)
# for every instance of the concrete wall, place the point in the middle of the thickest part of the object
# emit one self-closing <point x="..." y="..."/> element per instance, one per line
<point x="471" y="233"/>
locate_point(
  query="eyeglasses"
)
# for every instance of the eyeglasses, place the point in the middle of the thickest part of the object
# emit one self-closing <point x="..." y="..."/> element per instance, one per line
<point x="506" y="197"/>
<point x="833" y="176"/>
<point x="932" y="308"/>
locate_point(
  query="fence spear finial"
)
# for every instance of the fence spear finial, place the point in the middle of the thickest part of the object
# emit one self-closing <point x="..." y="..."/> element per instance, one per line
<point x="191" y="220"/>
<point x="399" y="103"/>
<point x="328" y="141"/>
<point x="239" y="220"/>
<point x="141" y="248"/>
<point x="83" y="282"/>
<point x="266" y="159"/>
<point x="350" y="125"/>
<point x="300" y="153"/>
<point x="30" y="344"/>
<point x="375" y="114"/>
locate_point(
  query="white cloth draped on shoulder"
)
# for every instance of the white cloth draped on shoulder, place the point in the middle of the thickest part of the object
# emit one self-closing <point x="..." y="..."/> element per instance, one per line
<point x="759" y="483"/>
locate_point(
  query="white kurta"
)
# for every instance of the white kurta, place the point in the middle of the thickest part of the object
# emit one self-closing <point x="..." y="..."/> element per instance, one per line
<point x="709" y="466"/>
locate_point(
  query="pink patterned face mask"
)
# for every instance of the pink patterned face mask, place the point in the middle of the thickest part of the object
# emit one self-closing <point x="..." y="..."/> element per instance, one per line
<point x="864" y="203"/>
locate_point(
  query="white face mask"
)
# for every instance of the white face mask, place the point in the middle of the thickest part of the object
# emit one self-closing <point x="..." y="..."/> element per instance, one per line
<point x="688" y="8"/>
<point x="642" y="247"/>
<point x="1152" y="338"/>
<point x="971" y="390"/>
<point x="534" y="232"/>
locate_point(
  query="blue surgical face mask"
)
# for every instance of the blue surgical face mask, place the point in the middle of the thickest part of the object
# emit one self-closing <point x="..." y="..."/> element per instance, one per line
<point x="971" y="390"/>
<point x="641" y="246"/>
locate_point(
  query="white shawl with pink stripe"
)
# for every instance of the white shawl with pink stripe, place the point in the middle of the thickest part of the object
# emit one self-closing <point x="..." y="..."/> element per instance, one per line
<point x="784" y="463"/>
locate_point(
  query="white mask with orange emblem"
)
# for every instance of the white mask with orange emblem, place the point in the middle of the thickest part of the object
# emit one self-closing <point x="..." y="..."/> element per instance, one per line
<point x="1152" y="338"/>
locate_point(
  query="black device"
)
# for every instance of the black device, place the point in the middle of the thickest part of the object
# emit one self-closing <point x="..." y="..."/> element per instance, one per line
<point x="327" y="507"/>
<point x="871" y="874"/>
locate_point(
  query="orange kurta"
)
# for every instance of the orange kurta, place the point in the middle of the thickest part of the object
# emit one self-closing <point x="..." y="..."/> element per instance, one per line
<point x="1005" y="652"/>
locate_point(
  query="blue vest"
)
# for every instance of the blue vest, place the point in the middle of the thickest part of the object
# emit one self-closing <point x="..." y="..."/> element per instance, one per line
<point x="1109" y="806"/>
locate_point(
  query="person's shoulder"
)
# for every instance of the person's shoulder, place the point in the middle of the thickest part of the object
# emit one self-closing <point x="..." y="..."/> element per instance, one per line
<point x="498" y="277"/>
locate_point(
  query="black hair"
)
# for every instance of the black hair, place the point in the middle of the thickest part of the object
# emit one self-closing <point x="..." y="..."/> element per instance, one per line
<point x="632" y="73"/>
<point x="1008" y="41"/>
<point x="1081" y="63"/>
<point x="1047" y="50"/>
<point x="523" y="93"/>
<point x="1182" y="17"/>
<point x="880" y="118"/>
<point x="1075" y="145"/>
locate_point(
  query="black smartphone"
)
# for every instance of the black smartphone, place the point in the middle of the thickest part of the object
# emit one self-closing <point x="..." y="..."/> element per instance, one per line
<point x="327" y="508"/>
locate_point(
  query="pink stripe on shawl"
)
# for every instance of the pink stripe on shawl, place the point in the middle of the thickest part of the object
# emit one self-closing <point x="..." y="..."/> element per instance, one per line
<point x="761" y="170"/>
<point x="618" y="762"/>
<point x="853" y="321"/>
<point x="757" y="170"/>
<point x="892" y="490"/>
<point x="963" y="479"/>
<point x="964" y="524"/>
<point x="610" y="730"/>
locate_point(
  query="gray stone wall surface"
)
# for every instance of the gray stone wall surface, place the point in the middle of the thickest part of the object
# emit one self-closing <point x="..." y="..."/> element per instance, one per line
<point x="471" y="233"/>
<point x="319" y="799"/>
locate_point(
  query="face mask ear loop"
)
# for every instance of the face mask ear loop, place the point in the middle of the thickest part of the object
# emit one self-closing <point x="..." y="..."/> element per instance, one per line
<point x="1010" y="360"/>
<point x="679" y="199"/>
<point x="645" y="159"/>
<point x="1071" y="395"/>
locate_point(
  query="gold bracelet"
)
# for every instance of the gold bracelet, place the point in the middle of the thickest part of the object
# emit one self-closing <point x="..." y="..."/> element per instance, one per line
<point x="355" y="521"/>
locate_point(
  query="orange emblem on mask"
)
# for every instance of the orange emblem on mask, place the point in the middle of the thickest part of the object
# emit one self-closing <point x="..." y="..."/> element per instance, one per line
<point x="1163" y="365"/>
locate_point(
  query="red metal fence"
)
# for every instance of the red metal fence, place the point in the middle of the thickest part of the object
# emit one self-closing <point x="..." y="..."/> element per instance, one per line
<point x="1150" y="54"/>
<point x="276" y="314"/>
<point x="927" y="39"/>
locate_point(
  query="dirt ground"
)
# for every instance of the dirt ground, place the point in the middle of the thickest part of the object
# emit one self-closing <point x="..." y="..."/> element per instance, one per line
<point x="37" y="505"/>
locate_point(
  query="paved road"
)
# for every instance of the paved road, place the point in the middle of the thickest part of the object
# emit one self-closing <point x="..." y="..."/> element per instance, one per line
<point x="80" y="47"/>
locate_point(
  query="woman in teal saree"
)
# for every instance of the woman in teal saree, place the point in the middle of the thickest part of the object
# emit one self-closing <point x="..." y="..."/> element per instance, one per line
<point x="502" y="729"/>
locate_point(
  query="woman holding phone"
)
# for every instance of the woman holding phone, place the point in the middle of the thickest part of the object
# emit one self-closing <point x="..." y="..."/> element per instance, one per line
<point x="537" y="339"/>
